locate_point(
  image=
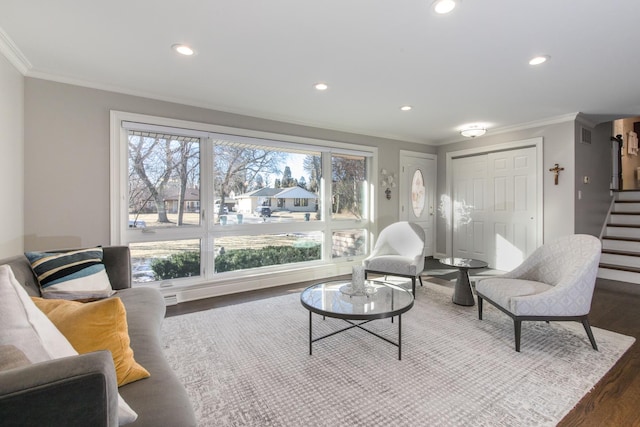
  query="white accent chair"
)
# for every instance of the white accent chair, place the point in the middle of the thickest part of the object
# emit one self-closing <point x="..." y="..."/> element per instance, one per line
<point x="555" y="283"/>
<point x="399" y="251"/>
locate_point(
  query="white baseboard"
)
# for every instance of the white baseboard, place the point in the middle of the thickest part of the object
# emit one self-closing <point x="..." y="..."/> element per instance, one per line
<point x="178" y="294"/>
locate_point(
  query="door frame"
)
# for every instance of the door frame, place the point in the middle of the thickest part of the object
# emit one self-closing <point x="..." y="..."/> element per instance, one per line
<point x="513" y="145"/>
<point x="428" y="156"/>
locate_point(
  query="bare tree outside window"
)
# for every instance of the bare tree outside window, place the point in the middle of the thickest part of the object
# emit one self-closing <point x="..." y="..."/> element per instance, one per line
<point x="313" y="166"/>
<point x="287" y="179"/>
<point x="237" y="166"/>
<point x="164" y="178"/>
<point x="348" y="178"/>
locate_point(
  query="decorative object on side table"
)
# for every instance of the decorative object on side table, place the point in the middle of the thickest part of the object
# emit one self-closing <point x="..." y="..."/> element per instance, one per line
<point x="358" y="286"/>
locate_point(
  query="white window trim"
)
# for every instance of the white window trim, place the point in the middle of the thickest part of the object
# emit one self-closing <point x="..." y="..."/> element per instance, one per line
<point x="121" y="122"/>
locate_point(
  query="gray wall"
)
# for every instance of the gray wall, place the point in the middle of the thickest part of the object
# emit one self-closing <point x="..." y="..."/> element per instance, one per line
<point x="558" y="147"/>
<point x="11" y="159"/>
<point x="67" y="158"/>
<point x="63" y="169"/>
<point x="593" y="199"/>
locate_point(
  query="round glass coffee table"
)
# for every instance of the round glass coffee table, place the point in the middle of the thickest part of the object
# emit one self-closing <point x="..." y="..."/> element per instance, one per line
<point x="462" y="293"/>
<point x="379" y="301"/>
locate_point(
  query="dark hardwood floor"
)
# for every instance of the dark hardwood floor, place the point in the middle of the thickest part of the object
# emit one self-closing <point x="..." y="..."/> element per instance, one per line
<point x="614" y="401"/>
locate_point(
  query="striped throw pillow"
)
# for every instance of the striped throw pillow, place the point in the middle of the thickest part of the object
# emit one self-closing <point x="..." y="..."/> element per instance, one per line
<point x="72" y="275"/>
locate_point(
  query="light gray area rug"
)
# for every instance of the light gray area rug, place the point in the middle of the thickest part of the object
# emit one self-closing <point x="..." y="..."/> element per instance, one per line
<point x="249" y="365"/>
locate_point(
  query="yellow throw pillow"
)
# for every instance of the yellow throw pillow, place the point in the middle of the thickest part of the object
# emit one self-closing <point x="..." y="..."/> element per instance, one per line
<point x="93" y="326"/>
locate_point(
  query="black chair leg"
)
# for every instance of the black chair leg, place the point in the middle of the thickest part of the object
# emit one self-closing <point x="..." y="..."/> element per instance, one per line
<point x="587" y="328"/>
<point x="420" y="278"/>
<point x="517" y="327"/>
<point x="413" y="286"/>
<point x="479" y="307"/>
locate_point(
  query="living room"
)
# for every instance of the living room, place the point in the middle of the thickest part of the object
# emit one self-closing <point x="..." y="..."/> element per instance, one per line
<point x="57" y="135"/>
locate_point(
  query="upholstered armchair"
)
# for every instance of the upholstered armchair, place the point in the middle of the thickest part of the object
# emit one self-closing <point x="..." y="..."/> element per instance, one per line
<point x="555" y="283"/>
<point x="399" y="251"/>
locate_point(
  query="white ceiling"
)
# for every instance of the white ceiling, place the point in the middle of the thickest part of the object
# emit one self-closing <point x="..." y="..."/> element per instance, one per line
<point x="261" y="58"/>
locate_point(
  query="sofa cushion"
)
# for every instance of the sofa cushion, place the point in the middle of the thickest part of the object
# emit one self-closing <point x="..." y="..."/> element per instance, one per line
<point x="73" y="275"/>
<point x="26" y="327"/>
<point x="161" y="399"/>
<point x="29" y="330"/>
<point x="93" y="326"/>
<point x="11" y="358"/>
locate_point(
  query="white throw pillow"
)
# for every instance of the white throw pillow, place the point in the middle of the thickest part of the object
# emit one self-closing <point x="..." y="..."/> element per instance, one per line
<point x="31" y="331"/>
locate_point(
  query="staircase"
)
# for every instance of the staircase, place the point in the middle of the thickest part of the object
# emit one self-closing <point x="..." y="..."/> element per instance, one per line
<point x="620" y="258"/>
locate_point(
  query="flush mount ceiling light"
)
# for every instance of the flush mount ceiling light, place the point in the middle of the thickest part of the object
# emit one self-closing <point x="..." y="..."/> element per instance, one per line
<point x="183" y="49"/>
<point x="473" y="131"/>
<point x="539" y="60"/>
<point x="406" y="108"/>
<point x="443" y="6"/>
<point x="321" y="86"/>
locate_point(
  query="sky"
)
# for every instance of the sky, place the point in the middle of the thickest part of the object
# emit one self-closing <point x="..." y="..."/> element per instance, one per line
<point x="295" y="162"/>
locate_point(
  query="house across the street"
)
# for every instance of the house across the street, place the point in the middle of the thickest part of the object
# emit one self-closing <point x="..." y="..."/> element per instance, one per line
<point x="292" y="199"/>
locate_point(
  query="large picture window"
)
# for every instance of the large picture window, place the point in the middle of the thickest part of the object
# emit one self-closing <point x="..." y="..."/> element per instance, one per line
<point x="203" y="205"/>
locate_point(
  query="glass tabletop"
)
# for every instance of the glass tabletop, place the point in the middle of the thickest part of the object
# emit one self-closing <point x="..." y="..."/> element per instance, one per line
<point x="464" y="262"/>
<point x="381" y="300"/>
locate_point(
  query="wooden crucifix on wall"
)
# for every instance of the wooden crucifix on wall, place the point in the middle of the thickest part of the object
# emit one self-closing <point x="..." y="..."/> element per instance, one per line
<point x="556" y="173"/>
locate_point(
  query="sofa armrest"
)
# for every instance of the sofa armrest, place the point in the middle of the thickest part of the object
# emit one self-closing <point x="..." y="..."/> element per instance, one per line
<point x="117" y="262"/>
<point x="71" y="391"/>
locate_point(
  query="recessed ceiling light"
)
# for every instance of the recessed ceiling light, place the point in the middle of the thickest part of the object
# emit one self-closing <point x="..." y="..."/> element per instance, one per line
<point x="321" y="86"/>
<point x="183" y="49"/>
<point x="539" y="60"/>
<point x="443" y="6"/>
<point x="406" y="107"/>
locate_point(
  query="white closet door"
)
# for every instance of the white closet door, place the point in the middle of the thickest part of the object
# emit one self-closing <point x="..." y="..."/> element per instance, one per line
<point x="495" y="207"/>
<point x="512" y="196"/>
<point x="469" y="202"/>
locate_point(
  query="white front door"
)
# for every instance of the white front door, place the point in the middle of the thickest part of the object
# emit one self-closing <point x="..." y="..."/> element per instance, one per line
<point x="417" y="193"/>
<point x="495" y="207"/>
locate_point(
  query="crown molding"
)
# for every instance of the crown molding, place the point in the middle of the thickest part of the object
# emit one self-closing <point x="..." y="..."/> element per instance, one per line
<point x="10" y="51"/>
<point x="517" y="127"/>
<point x="583" y="120"/>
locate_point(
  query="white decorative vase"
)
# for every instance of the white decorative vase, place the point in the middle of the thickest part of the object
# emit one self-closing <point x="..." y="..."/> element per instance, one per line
<point x="357" y="279"/>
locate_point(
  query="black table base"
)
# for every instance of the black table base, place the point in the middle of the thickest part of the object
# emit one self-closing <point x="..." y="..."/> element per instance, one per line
<point x="462" y="293"/>
<point x="359" y="326"/>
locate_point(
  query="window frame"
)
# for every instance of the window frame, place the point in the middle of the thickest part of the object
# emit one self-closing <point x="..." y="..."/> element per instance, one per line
<point x="207" y="231"/>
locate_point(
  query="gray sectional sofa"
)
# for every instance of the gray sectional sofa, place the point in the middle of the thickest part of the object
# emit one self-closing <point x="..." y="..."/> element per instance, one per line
<point x="81" y="390"/>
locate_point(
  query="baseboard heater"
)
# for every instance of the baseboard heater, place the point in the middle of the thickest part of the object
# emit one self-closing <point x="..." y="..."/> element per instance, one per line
<point x="170" y="299"/>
